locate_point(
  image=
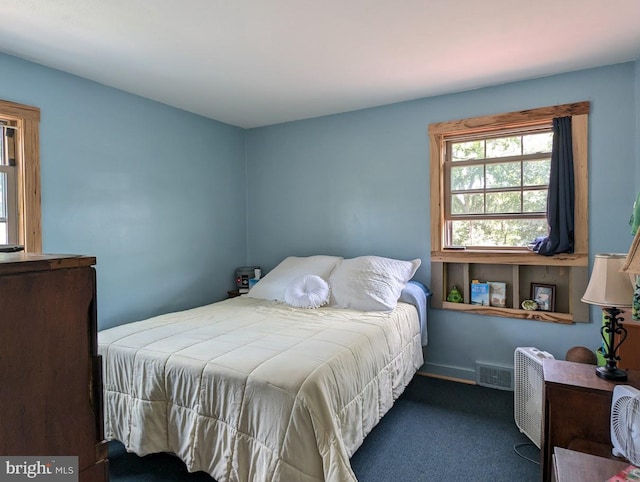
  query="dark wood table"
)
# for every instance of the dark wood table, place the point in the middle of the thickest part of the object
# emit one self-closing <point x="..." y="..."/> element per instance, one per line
<point x="576" y="410"/>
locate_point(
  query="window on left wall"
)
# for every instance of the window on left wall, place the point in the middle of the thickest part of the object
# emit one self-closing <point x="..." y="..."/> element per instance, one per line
<point x="8" y="185"/>
<point x="20" y="212"/>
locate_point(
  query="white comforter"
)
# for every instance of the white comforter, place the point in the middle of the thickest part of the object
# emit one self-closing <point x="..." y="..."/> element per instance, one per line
<point x="253" y="390"/>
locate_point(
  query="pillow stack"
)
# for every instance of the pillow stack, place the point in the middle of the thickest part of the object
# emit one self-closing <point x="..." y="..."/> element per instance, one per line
<point x="366" y="283"/>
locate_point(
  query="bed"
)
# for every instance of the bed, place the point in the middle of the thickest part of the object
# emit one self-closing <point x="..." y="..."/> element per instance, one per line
<point x="256" y="388"/>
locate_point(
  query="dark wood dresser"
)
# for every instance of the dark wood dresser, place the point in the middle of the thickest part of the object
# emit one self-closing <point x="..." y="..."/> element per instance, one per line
<point x="50" y="374"/>
<point x="576" y="410"/>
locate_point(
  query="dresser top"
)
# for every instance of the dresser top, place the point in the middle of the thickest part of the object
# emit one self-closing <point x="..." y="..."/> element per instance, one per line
<point x="581" y="375"/>
<point x="11" y="263"/>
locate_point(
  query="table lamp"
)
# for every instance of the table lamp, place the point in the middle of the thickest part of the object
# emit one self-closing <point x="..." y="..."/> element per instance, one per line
<point x="610" y="289"/>
<point x="631" y="265"/>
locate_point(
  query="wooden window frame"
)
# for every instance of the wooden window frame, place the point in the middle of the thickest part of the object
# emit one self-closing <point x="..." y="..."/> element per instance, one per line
<point x="439" y="132"/>
<point x="27" y="120"/>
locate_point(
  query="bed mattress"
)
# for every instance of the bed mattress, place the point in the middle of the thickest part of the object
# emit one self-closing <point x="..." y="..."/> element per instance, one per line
<point x="254" y="390"/>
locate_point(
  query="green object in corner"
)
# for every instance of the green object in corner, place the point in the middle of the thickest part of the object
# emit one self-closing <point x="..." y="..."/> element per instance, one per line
<point x="601" y="360"/>
<point x="634" y="222"/>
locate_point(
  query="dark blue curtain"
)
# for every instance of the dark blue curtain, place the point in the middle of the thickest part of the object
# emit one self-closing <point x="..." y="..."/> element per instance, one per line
<point x="561" y="197"/>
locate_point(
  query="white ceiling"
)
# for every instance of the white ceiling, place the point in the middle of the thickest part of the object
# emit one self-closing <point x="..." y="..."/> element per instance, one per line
<point x="257" y="62"/>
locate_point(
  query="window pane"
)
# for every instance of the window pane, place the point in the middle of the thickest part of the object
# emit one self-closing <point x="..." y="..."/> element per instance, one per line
<point x="3" y="160"/>
<point x="467" y="204"/>
<point x="497" y="233"/>
<point x="504" y="146"/>
<point x="534" y="201"/>
<point x="467" y="177"/>
<point x="3" y="195"/>
<point x="460" y="233"/>
<point x="534" y="143"/>
<point x="503" y="202"/>
<point x="503" y="175"/>
<point x="3" y="233"/>
<point x="7" y="146"/>
<point x="463" y="151"/>
<point x="536" y="173"/>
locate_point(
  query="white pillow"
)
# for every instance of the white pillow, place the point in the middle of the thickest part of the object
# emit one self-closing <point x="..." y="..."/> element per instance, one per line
<point x="273" y="285"/>
<point x="308" y="291"/>
<point x="370" y="283"/>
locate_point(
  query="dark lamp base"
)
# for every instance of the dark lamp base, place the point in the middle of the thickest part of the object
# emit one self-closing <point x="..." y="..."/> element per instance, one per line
<point x="611" y="373"/>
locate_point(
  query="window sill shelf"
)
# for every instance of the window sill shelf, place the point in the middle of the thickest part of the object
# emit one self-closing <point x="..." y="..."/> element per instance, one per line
<point x="510" y="312"/>
<point x="527" y="258"/>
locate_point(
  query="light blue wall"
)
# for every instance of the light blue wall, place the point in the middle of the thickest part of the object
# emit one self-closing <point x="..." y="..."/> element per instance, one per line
<point x="358" y="183"/>
<point x="160" y="196"/>
<point x="155" y="193"/>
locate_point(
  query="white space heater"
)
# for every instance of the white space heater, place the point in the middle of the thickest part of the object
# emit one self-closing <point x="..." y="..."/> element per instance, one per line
<point x="528" y="393"/>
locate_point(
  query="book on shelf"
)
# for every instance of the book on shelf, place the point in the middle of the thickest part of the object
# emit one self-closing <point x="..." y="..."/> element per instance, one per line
<point x="497" y="293"/>
<point x="480" y="294"/>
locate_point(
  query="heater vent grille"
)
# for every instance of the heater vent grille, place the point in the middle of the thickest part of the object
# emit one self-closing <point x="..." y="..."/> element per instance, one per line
<point x="494" y="376"/>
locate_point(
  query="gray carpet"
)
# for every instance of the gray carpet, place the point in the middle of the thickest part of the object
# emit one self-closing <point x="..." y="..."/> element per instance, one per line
<point x="436" y="431"/>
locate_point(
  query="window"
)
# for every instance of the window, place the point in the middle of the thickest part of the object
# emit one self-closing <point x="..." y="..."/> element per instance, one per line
<point x="20" y="216"/>
<point x="489" y="180"/>
<point x="496" y="187"/>
<point x="8" y="185"/>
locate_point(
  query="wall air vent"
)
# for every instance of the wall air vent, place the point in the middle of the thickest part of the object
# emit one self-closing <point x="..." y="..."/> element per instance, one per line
<point x="494" y="376"/>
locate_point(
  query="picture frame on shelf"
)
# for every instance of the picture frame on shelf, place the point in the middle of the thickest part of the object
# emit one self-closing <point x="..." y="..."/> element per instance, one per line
<point x="497" y="293"/>
<point x="544" y="295"/>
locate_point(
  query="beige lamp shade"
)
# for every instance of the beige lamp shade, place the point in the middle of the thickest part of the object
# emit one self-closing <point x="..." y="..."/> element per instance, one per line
<point x="631" y="265"/>
<point x="608" y="286"/>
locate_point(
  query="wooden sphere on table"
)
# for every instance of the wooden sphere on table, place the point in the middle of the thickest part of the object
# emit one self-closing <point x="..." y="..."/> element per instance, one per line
<point x="581" y="354"/>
